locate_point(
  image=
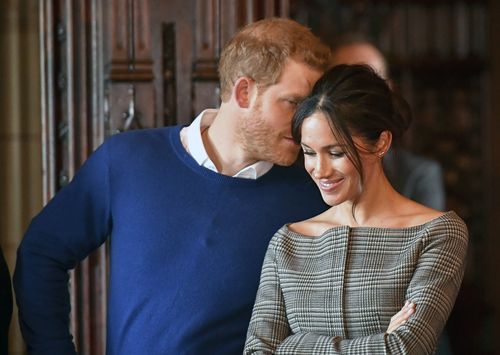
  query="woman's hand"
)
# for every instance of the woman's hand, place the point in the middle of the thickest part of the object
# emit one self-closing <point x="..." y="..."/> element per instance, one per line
<point x="401" y="317"/>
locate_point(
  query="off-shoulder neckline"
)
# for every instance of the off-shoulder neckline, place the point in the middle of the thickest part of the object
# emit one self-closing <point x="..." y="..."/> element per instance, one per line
<point x="370" y="229"/>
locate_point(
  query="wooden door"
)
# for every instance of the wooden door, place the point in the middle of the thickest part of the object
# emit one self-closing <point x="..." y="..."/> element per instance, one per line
<point x="117" y="65"/>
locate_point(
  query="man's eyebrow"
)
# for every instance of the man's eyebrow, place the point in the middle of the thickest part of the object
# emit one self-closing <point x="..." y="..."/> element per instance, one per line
<point x="295" y="97"/>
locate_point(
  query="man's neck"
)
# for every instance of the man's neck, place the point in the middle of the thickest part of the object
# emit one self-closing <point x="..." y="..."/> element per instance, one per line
<point x="222" y="144"/>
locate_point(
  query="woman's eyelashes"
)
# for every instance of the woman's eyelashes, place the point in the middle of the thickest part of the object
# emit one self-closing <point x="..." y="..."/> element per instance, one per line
<point x="332" y="153"/>
<point x="308" y="152"/>
<point x="337" y="154"/>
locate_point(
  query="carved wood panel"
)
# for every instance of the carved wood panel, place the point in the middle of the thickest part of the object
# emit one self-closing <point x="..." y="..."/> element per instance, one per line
<point x="129" y="90"/>
<point x="227" y="17"/>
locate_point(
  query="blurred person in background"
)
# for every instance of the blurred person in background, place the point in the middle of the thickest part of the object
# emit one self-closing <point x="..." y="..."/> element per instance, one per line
<point x="414" y="176"/>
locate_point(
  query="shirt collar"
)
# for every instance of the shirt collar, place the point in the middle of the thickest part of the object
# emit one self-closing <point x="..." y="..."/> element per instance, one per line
<point x="195" y="147"/>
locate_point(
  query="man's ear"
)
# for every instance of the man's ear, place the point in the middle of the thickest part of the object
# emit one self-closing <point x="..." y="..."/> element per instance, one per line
<point x="243" y="91"/>
<point x="384" y="143"/>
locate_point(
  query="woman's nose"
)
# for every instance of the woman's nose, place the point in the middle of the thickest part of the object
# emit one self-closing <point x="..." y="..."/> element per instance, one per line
<point x="321" y="168"/>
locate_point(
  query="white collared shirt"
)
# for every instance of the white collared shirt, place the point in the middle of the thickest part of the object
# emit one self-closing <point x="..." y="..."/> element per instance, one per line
<point x="192" y="141"/>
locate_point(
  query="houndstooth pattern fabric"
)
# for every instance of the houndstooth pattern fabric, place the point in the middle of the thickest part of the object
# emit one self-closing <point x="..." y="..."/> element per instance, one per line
<point x="336" y="293"/>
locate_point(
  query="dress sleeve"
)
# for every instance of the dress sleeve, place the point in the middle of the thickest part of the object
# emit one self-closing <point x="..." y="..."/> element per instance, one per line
<point x="433" y="288"/>
<point x="73" y="224"/>
<point x="269" y="324"/>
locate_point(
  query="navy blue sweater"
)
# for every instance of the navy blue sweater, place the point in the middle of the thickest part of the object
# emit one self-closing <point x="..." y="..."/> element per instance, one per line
<point x="187" y="246"/>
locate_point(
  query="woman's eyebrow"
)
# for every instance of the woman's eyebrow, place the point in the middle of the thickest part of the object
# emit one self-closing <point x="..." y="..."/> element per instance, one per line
<point x="326" y="147"/>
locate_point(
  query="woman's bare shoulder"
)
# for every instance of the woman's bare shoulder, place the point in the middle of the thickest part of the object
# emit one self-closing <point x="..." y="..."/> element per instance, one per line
<point x="314" y="226"/>
<point x="414" y="214"/>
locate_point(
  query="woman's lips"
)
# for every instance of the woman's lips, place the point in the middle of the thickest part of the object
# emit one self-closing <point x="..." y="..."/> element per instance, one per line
<point x="328" y="185"/>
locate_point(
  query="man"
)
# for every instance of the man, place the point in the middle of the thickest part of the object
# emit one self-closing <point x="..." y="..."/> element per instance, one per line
<point x="414" y="176"/>
<point x="190" y="211"/>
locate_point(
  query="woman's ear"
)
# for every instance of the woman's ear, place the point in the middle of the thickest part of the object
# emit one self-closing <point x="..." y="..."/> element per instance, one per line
<point x="384" y="143"/>
<point x="243" y="91"/>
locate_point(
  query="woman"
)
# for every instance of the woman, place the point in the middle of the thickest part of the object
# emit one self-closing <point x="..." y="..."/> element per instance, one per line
<point x="330" y="284"/>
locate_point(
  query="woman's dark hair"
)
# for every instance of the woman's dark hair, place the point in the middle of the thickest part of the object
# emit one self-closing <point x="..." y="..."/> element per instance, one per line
<point x="356" y="102"/>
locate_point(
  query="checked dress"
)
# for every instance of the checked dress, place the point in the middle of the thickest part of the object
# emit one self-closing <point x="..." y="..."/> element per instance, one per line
<point x="336" y="293"/>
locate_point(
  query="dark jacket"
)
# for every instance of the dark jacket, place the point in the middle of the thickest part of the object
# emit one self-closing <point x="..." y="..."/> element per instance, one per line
<point x="416" y="177"/>
<point x="5" y="304"/>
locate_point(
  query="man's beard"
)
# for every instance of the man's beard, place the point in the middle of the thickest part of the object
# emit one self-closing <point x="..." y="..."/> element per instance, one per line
<point x="260" y="141"/>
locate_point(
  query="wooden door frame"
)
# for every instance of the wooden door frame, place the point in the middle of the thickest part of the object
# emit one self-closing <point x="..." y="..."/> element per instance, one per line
<point x="73" y="125"/>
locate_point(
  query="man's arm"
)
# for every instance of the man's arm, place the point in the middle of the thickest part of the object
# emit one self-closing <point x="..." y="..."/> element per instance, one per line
<point x="74" y="223"/>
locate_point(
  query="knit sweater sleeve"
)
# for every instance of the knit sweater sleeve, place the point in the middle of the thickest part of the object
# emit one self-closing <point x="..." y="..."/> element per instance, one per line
<point x="73" y="224"/>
